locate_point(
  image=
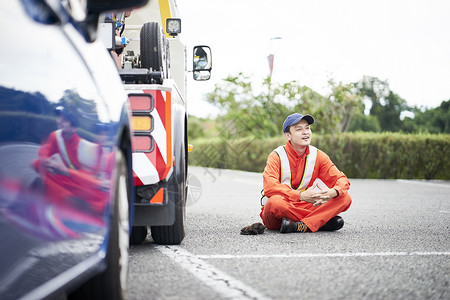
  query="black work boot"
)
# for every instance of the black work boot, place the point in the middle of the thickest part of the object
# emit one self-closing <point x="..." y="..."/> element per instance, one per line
<point x="288" y="225"/>
<point x="333" y="224"/>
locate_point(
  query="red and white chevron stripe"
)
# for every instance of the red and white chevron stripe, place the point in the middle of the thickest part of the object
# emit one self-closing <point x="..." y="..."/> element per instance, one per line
<point x="152" y="163"/>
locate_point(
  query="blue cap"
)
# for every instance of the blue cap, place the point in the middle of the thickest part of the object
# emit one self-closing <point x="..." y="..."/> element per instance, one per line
<point x="295" y="118"/>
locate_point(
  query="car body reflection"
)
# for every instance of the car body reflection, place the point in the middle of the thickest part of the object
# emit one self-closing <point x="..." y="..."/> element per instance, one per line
<point x="64" y="147"/>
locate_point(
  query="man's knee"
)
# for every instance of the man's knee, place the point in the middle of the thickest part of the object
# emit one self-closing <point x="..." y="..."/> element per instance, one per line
<point x="271" y="212"/>
<point x="277" y="205"/>
<point x="274" y="203"/>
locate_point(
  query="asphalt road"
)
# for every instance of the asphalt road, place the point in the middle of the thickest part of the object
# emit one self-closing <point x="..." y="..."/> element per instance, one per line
<point x="395" y="245"/>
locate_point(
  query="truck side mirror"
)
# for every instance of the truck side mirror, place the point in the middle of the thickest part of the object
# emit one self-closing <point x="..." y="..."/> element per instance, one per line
<point x="202" y="63"/>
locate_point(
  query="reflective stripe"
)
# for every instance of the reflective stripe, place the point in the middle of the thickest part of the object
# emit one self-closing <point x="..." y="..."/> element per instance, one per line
<point x="62" y="149"/>
<point x="88" y="155"/>
<point x="286" y="176"/>
<point x="285" y="168"/>
<point x="309" y="169"/>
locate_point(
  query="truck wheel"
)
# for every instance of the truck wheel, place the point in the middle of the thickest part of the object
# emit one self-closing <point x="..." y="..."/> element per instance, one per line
<point x="138" y="235"/>
<point x="174" y="234"/>
<point x="152" y="47"/>
<point x="112" y="282"/>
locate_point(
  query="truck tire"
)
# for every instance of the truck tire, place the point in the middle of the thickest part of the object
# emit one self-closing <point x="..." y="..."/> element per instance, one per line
<point x="152" y="47"/>
<point x="112" y="282"/>
<point x="138" y="235"/>
<point x="174" y="234"/>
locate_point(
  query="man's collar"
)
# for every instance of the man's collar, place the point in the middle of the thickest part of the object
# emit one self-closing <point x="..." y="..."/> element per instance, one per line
<point x="290" y="150"/>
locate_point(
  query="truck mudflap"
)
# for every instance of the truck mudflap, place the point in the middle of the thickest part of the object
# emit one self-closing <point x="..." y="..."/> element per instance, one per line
<point x="154" y="214"/>
<point x="152" y="135"/>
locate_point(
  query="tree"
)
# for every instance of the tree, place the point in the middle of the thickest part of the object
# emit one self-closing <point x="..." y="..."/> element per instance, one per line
<point x="436" y="120"/>
<point x="362" y="122"/>
<point x="261" y="114"/>
<point x="346" y="104"/>
<point x="245" y="113"/>
<point x="441" y="117"/>
<point x="386" y="105"/>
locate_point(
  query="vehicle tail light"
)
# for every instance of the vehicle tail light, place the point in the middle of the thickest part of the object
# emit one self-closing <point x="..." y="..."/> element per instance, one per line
<point x="142" y="123"/>
<point x="142" y="106"/>
<point x="142" y="143"/>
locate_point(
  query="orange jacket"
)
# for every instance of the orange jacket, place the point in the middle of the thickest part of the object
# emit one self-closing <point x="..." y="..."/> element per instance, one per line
<point x="324" y="169"/>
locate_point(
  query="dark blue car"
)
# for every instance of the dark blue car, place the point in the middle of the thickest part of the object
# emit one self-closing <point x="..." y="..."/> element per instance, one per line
<point x="65" y="154"/>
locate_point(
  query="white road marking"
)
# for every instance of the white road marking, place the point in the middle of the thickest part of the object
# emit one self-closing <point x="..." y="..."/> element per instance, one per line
<point x="229" y="287"/>
<point x="418" y="182"/>
<point x="319" y="255"/>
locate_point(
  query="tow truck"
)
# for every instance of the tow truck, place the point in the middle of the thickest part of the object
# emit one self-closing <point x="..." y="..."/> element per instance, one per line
<point x="153" y="69"/>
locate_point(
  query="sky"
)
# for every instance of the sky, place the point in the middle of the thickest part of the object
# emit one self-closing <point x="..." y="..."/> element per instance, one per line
<point x="406" y="42"/>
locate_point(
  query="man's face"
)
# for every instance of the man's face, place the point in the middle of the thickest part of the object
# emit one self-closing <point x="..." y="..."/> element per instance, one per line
<point x="63" y="124"/>
<point x="299" y="134"/>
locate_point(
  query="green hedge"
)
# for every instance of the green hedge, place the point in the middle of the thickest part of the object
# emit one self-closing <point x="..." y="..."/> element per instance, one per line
<point x="358" y="155"/>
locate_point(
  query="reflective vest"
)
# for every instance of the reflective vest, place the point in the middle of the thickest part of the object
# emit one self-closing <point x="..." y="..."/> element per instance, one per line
<point x="63" y="150"/>
<point x="286" y="175"/>
<point x="87" y="152"/>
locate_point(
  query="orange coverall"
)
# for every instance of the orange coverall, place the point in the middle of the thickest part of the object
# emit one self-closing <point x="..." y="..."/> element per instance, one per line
<point x="283" y="201"/>
<point x="81" y="183"/>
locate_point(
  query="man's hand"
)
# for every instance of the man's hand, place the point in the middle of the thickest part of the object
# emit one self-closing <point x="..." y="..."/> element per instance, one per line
<point x="323" y="195"/>
<point x="55" y="165"/>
